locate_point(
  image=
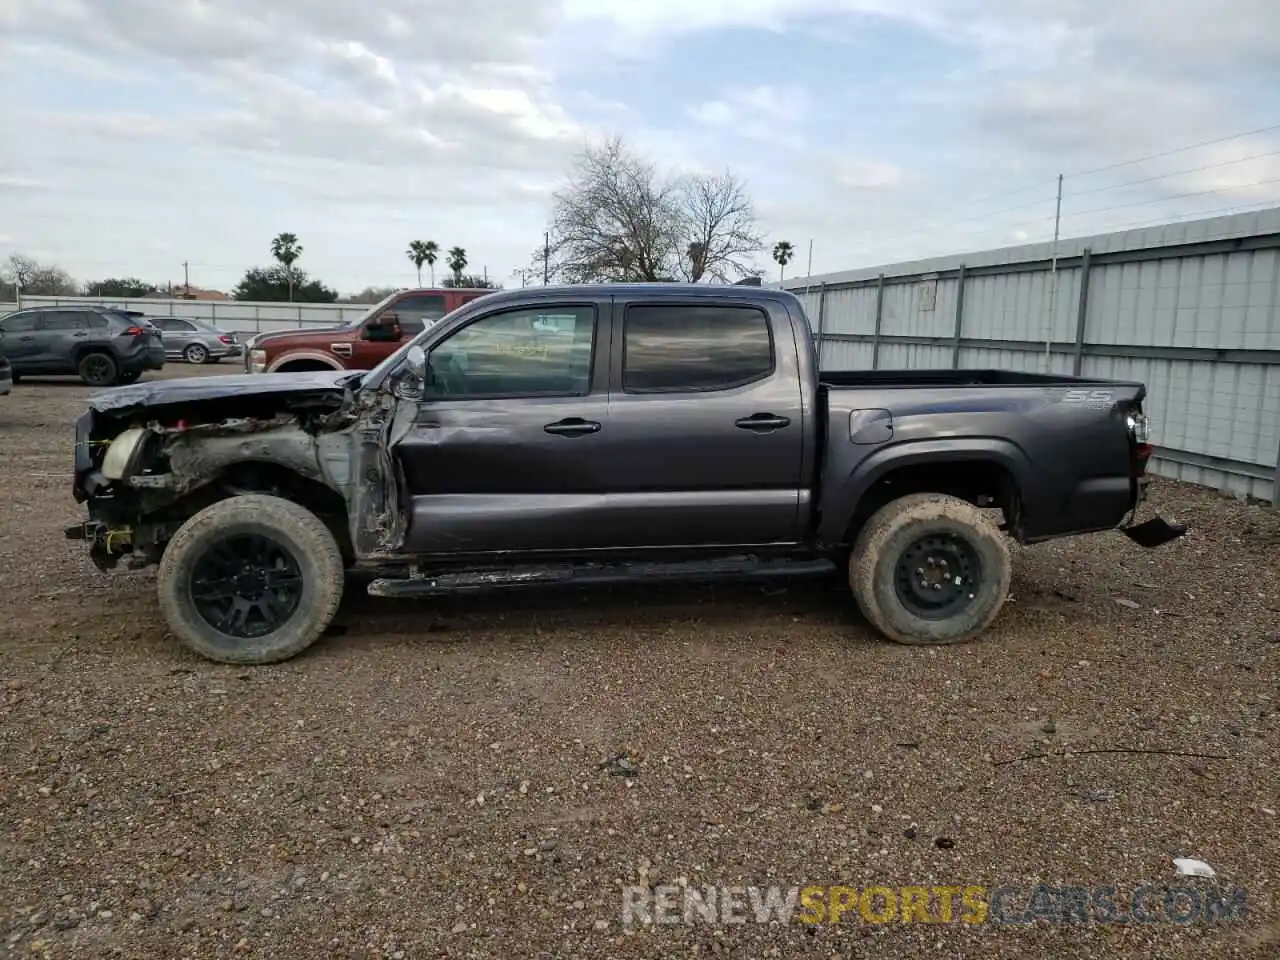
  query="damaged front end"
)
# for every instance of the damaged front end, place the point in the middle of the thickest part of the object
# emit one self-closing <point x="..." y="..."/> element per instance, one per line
<point x="146" y="463"/>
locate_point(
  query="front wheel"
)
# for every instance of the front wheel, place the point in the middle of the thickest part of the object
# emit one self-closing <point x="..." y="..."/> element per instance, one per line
<point x="253" y="579"/>
<point x="930" y="569"/>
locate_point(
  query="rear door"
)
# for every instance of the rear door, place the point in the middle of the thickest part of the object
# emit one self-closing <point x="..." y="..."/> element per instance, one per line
<point x="504" y="449"/>
<point x="177" y="334"/>
<point x="60" y="336"/>
<point x="706" y="429"/>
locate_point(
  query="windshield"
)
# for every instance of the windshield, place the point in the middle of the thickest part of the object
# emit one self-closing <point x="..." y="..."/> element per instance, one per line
<point x="382" y="369"/>
<point x="373" y="309"/>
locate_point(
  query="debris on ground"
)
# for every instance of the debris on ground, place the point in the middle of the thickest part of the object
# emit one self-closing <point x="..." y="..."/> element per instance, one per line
<point x="1193" y="868"/>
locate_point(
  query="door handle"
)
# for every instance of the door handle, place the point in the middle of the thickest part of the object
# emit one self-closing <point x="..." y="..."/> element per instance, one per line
<point x="572" y="427"/>
<point x="80" y="334"/>
<point x="762" y="422"/>
<point x="27" y="337"/>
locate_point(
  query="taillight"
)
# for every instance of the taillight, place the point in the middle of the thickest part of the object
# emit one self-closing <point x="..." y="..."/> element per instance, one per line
<point x="225" y="339"/>
<point x="135" y="332"/>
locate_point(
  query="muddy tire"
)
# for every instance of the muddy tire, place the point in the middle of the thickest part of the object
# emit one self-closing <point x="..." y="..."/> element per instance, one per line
<point x="930" y="569"/>
<point x="98" y="369"/>
<point x="253" y="579"/>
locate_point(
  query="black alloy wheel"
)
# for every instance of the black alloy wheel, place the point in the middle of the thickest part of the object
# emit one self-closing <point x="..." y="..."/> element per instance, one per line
<point x="98" y="370"/>
<point x="246" y="585"/>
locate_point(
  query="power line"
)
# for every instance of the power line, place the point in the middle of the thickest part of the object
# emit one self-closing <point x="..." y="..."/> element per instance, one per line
<point x="1170" y="153"/>
<point x="1176" y="173"/>
<point x="1176" y="196"/>
<point x="934" y="224"/>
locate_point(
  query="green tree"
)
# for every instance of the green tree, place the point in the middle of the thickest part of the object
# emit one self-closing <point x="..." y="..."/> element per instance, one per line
<point x="783" y="253"/>
<point x="471" y="281"/>
<point x="424" y="251"/>
<point x="457" y="262"/>
<point x="286" y="249"/>
<point x="282" y="284"/>
<point x="370" y="295"/>
<point x="119" y="287"/>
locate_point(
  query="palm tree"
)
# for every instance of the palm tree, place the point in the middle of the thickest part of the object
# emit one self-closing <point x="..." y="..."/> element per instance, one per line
<point x="457" y="262"/>
<point x="286" y="248"/>
<point x="782" y="254"/>
<point x="431" y="253"/>
<point x="421" y="252"/>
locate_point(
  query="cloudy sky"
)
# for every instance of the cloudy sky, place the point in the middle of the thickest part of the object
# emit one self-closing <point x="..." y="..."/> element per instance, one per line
<point x="142" y="133"/>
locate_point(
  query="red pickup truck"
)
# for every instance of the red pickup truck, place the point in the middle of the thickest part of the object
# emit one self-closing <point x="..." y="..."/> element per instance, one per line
<point x="361" y="345"/>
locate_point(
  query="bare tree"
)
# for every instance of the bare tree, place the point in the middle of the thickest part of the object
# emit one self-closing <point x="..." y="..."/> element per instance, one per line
<point x="619" y="219"/>
<point x="37" y="279"/>
<point x="719" y="227"/>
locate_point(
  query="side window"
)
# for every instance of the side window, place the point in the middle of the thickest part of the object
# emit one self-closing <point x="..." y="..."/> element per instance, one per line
<point x="18" y="323"/>
<point x="98" y="322"/>
<point x="415" y="312"/>
<point x="175" y="325"/>
<point x="62" y="322"/>
<point x="694" y="349"/>
<point x="543" y="352"/>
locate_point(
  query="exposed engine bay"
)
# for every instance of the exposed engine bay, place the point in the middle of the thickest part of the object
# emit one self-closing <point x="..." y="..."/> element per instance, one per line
<point x="151" y="455"/>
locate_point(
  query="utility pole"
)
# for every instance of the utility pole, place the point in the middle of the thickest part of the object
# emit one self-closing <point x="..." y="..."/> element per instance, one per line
<point x="186" y="279"/>
<point x="809" y="269"/>
<point x="1053" y="284"/>
<point x="546" y="258"/>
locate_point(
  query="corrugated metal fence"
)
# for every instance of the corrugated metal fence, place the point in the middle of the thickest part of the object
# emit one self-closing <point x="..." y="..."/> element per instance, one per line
<point x="230" y="315"/>
<point x="1192" y="310"/>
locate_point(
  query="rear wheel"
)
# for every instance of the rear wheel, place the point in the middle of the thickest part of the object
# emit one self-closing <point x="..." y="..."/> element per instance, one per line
<point x="930" y="569"/>
<point x="253" y="579"/>
<point x="196" y="353"/>
<point x="98" y="369"/>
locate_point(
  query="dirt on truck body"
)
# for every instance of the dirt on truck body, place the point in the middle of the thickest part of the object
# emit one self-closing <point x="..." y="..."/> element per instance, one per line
<point x="595" y="434"/>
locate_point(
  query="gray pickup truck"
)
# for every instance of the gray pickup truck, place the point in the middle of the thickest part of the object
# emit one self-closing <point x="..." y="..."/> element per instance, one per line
<point x="590" y="434"/>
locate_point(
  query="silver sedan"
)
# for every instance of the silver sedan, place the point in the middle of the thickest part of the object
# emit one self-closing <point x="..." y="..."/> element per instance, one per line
<point x="196" y="341"/>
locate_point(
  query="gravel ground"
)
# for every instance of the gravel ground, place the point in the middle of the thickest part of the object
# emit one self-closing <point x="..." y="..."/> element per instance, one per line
<point x="427" y="781"/>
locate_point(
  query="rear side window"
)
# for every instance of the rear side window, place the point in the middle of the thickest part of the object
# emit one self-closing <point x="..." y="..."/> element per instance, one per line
<point x="175" y="325"/>
<point x="63" y="321"/>
<point x="98" y="322"/>
<point x="694" y="349"/>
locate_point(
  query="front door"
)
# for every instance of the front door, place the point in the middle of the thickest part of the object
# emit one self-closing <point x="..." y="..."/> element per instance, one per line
<point x="20" y="341"/>
<point x="707" y="426"/>
<point x="505" y="450"/>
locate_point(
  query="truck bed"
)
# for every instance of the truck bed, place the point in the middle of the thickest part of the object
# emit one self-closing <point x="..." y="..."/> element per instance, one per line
<point x="951" y="378"/>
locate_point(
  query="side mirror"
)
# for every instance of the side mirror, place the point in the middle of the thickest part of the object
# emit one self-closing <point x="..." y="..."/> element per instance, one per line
<point x="416" y="361"/>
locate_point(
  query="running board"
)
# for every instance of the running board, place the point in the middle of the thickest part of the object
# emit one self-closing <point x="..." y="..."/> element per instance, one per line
<point x="594" y="574"/>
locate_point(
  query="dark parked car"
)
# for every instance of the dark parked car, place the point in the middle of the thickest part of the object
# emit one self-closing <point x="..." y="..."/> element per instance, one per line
<point x="6" y="371"/>
<point x="592" y="434"/>
<point x="99" y="345"/>
<point x="196" y="341"/>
